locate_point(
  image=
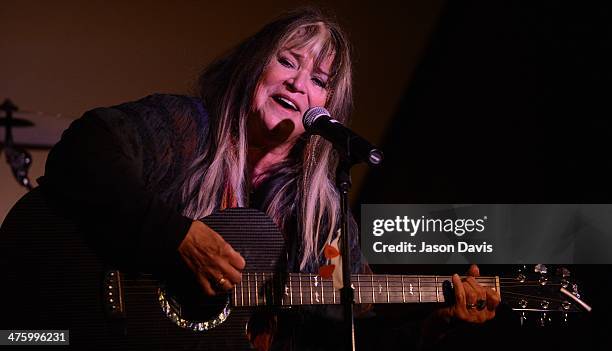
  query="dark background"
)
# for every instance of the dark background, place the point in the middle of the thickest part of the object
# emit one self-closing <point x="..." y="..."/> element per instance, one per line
<point x="508" y="106"/>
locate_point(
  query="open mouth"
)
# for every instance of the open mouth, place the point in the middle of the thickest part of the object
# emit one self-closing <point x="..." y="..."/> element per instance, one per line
<point x="286" y="103"/>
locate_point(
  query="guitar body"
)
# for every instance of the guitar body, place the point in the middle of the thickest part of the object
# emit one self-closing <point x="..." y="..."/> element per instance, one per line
<point x="53" y="280"/>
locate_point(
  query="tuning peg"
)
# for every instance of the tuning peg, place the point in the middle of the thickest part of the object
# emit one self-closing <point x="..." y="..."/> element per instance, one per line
<point x="563" y="272"/>
<point x="566" y="305"/>
<point x="544" y="319"/>
<point x="564" y="282"/>
<point x="575" y="290"/>
<point x="540" y="268"/>
<point x="520" y="273"/>
<point x="522" y="303"/>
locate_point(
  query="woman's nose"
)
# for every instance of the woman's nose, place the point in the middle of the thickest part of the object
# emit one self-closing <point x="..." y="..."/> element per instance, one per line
<point x="297" y="83"/>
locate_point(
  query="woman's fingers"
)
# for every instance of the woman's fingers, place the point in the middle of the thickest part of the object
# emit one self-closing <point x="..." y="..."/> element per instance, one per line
<point x="491" y="296"/>
<point x="216" y="264"/>
<point x="228" y="272"/>
<point x="473" y="302"/>
<point x="474" y="271"/>
<point x="234" y="258"/>
<point x="459" y="308"/>
<point x="478" y="291"/>
<point x="493" y="299"/>
<point x="206" y="286"/>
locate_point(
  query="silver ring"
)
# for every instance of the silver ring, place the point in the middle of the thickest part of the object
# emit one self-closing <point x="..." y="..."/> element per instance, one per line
<point x="470" y="306"/>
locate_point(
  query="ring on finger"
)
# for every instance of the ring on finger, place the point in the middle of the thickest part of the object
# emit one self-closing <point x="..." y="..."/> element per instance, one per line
<point x="481" y="304"/>
<point x="221" y="281"/>
<point x="470" y="306"/>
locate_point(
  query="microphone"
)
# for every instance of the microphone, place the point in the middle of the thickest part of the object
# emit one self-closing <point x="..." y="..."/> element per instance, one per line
<point x="317" y="120"/>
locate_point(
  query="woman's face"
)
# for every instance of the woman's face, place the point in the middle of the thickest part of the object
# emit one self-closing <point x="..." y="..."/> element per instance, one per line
<point x="290" y="84"/>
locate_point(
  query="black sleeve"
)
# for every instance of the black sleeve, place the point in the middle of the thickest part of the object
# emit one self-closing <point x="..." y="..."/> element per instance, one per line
<point x="95" y="173"/>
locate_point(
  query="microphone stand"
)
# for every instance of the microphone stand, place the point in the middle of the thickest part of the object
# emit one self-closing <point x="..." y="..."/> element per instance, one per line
<point x="347" y="293"/>
<point x="342" y="139"/>
<point x="343" y="182"/>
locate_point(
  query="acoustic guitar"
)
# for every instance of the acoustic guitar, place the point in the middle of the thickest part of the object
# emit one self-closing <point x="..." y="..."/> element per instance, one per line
<point x="51" y="279"/>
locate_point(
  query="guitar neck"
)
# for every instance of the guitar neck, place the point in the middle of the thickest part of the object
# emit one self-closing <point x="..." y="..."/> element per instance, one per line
<point x="265" y="289"/>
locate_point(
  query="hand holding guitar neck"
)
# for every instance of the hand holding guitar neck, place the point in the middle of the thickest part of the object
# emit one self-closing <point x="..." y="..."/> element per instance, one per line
<point x="473" y="302"/>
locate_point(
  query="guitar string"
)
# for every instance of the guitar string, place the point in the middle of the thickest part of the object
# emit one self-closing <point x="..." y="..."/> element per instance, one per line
<point x="391" y="285"/>
<point x="429" y="294"/>
<point x="389" y="280"/>
<point x="305" y="277"/>
<point x="368" y="300"/>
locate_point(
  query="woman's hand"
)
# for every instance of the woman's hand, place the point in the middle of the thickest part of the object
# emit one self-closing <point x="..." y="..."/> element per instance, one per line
<point x="473" y="302"/>
<point x="216" y="264"/>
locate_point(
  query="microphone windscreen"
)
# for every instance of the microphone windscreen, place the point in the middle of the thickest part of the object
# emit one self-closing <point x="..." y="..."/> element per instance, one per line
<point x="312" y="114"/>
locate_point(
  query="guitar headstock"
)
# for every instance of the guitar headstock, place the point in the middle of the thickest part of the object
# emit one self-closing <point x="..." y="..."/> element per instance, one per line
<point x="542" y="294"/>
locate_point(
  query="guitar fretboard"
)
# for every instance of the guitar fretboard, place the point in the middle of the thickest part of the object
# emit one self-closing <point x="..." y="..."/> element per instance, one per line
<point x="265" y="289"/>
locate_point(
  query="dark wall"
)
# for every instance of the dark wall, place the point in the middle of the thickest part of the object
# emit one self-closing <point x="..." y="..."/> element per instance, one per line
<point x="502" y="109"/>
<point x="508" y="105"/>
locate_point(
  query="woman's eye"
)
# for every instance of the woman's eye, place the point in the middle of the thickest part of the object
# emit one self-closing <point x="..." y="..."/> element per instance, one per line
<point x="319" y="82"/>
<point x="285" y="62"/>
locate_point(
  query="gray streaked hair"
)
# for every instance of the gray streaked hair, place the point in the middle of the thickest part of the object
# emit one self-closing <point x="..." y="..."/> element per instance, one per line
<point x="227" y="87"/>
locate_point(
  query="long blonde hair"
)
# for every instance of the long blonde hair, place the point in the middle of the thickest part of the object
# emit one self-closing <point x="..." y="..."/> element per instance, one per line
<point x="227" y="87"/>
